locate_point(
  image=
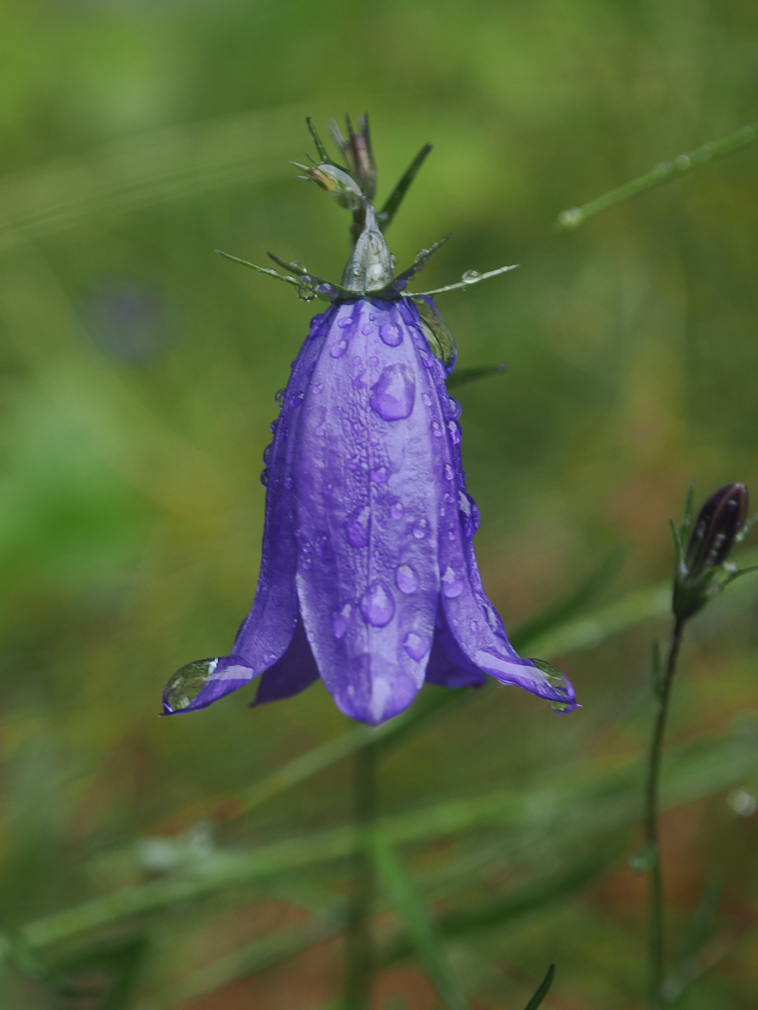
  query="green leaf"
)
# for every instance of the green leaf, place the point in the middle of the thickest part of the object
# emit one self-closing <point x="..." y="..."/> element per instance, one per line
<point x="388" y="211"/>
<point x="462" y="376"/>
<point x="543" y="990"/>
<point x="423" y="930"/>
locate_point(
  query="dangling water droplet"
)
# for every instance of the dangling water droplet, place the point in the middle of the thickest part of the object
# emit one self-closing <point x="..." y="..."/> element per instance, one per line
<point x="187" y="683"/>
<point x="393" y="396"/>
<point x="356" y="529"/>
<point x="454" y="408"/>
<point x="381" y="475"/>
<point x="416" y="646"/>
<point x="554" y="676"/>
<point x="448" y="472"/>
<point x="377" y="605"/>
<point x="391" y="334"/>
<point x="338" y="349"/>
<point x="264" y="477"/>
<point x="341" y="621"/>
<point x="397" y="510"/>
<point x="274" y="425"/>
<point x="279" y="398"/>
<point x="267" y="454"/>
<point x="451" y="584"/>
<point x="406" y="579"/>
<point x="470" y="276"/>
<point x="419" y="530"/>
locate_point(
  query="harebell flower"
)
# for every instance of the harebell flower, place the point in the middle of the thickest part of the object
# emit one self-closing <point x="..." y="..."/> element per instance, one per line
<point x="368" y="575"/>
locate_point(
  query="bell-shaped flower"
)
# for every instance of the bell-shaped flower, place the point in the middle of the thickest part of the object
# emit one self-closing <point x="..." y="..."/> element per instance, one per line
<point x="368" y="574"/>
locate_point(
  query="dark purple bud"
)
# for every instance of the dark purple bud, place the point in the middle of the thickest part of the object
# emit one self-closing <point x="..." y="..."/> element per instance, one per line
<point x="720" y="520"/>
<point x="702" y="572"/>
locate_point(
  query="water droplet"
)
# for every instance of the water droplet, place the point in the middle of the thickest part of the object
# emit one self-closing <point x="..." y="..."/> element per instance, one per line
<point x="341" y="621"/>
<point x="320" y="431"/>
<point x="305" y="563"/>
<point x="473" y="626"/>
<point x="187" y="683"/>
<point x="329" y="489"/>
<point x="274" y="425"/>
<point x="442" y="510"/>
<point x="436" y="430"/>
<point x="451" y="584"/>
<point x="427" y="399"/>
<point x="416" y="646"/>
<point x="288" y="481"/>
<point x="377" y="605"/>
<point x="279" y="398"/>
<point x="455" y="431"/>
<point x="373" y="361"/>
<point x="357" y="361"/>
<point x="381" y="475"/>
<point x="344" y="323"/>
<point x="391" y="334"/>
<point x="354" y="463"/>
<point x="419" y="530"/>
<point x="393" y="396"/>
<point x="448" y="472"/>
<point x="296" y="399"/>
<point x="267" y="454"/>
<point x="406" y="579"/>
<point x="371" y="316"/>
<point x="451" y="535"/>
<point x="318" y="388"/>
<point x="356" y="529"/>
<point x="471" y="276"/>
<point x="555" y="678"/>
<point x="397" y="510"/>
<point x="264" y="477"/>
<point x="367" y="329"/>
<point x="338" y="349"/>
<point x="454" y="408"/>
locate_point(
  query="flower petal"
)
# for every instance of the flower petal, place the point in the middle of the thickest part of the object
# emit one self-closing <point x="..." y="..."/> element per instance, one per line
<point x="290" y="674"/>
<point x="448" y="666"/>
<point x="368" y="510"/>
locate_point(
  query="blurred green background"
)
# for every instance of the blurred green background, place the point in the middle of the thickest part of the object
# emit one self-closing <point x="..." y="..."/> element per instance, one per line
<point x="137" y="373"/>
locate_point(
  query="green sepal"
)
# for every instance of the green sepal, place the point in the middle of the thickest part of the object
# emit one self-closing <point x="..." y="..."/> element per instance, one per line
<point x="436" y="333"/>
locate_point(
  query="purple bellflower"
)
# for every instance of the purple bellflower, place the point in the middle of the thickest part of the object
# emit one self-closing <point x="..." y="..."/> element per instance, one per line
<point x="368" y="574"/>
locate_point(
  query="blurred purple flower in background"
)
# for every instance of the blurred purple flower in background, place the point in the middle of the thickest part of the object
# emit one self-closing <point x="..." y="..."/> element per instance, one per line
<point x="368" y="576"/>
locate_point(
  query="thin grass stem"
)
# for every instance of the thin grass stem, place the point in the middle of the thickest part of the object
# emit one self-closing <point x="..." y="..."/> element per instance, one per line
<point x="656" y="902"/>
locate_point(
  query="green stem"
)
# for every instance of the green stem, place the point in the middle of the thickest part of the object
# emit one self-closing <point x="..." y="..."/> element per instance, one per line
<point x="655" y="876"/>
<point x="360" y="940"/>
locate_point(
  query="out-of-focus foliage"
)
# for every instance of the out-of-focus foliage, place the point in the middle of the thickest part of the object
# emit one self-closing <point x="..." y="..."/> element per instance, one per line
<point x="137" y="373"/>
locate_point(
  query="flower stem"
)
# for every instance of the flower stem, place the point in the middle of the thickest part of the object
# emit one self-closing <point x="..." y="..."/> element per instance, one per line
<point x="655" y="876"/>
<point x="360" y="940"/>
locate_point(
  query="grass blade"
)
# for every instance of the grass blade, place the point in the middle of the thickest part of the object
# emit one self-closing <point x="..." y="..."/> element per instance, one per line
<point x="423" y="931"/>
<point x="575" y="216"/>
<point x="543" y="990"/>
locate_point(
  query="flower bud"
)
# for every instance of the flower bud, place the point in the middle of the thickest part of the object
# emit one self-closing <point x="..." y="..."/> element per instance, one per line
<point x="703" y="569"/>
<point x="720" y="520"/>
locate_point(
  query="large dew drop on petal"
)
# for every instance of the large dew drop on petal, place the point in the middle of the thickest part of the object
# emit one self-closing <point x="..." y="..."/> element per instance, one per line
<point x="187" y="683"/>
<point x="394" y="394"/>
